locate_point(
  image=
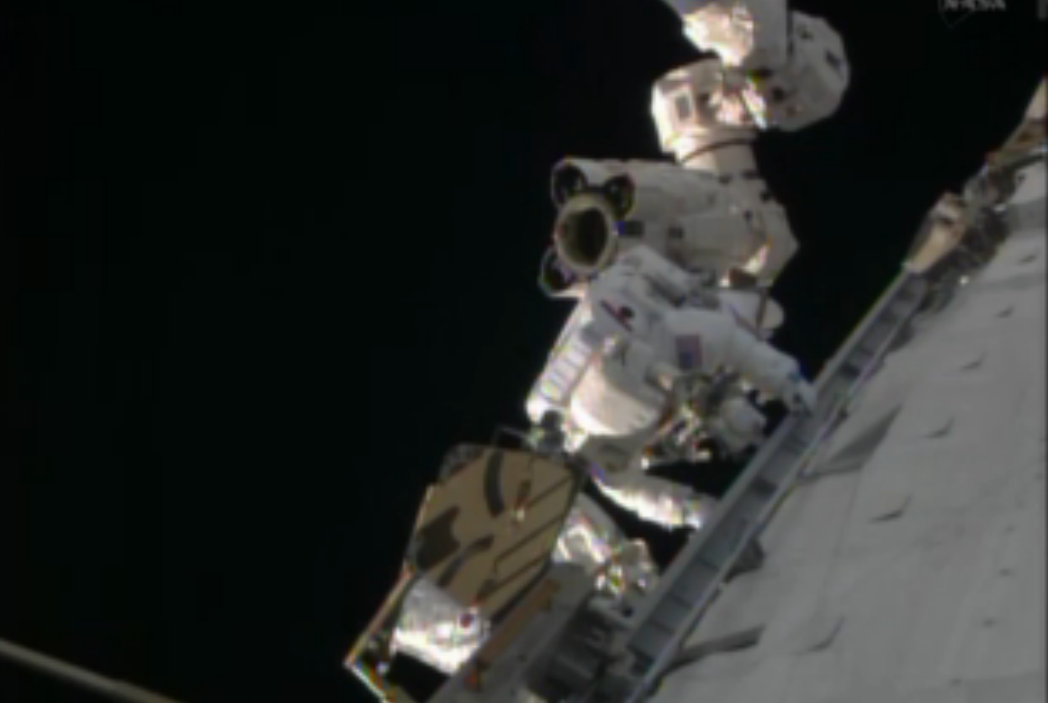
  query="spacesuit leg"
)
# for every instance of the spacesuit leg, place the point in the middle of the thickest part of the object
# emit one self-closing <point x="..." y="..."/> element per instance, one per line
<point x="591" y="539"/>
<point x="616" y="468"/>
<point x="656" y="500"/>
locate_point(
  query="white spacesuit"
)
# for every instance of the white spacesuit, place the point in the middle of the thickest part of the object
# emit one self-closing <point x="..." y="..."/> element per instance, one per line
<point x="635" y="353"/>
<point x="777" y="69"/>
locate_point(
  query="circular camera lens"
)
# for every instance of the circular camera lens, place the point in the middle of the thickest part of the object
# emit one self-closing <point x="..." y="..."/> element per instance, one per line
<point x="585" y="236"/>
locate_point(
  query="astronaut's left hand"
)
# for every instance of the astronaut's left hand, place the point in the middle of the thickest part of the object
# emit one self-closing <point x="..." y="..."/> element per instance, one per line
<point x="798" y="395"/>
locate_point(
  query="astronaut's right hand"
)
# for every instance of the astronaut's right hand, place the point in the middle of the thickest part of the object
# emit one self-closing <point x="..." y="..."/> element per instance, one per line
<point x="797" y="394"/>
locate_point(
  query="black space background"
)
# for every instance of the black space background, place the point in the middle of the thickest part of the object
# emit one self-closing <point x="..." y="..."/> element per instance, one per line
<point x="263" y="264"/>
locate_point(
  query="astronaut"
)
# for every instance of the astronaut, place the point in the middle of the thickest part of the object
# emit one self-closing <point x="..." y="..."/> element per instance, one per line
<point x="641" y="245"/>
<point x="636" y="353"/>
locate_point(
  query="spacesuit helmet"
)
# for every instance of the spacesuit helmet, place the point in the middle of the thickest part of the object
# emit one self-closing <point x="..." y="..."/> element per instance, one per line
<point x="585" y="234"/>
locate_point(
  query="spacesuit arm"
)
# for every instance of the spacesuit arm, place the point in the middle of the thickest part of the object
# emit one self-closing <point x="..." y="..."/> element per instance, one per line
<point x="616" y="469"/>
<point x="709" y="341"/>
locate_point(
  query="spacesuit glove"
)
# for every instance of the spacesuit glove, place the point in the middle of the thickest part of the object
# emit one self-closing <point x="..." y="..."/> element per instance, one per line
<point x="738" y="425"/>
<point x="698" y="511"/>
<point x="797" y="394"/>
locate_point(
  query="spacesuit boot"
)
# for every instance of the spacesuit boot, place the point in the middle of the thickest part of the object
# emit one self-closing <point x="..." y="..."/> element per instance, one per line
<point x="591" y="539"/>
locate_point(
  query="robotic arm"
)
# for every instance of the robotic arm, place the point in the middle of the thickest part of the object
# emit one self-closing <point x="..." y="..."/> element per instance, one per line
<point x="776" y="69"/>
<point x="740" y="33"/>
